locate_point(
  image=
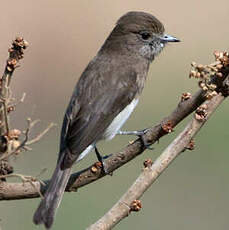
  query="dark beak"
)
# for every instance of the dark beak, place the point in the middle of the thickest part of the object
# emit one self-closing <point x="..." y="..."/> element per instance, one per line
<point x="169" y="38"/>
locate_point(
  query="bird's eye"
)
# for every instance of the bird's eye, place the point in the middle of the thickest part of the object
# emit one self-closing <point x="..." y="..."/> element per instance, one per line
<point x="145" y="35"/>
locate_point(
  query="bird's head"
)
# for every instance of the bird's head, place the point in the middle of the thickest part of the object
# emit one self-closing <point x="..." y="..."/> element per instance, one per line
<point x="140" y="33"/>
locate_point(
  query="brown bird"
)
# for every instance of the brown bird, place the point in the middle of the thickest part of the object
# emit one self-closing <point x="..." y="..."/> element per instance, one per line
<point x="104" y="97"/>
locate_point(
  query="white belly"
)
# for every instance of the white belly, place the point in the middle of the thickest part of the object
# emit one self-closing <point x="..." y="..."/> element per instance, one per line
<point x="114" y="127"/>
<point x="119" y="120"/>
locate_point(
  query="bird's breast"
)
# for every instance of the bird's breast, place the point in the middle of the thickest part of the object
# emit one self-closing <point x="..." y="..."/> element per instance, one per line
<point x="119" y="120"/>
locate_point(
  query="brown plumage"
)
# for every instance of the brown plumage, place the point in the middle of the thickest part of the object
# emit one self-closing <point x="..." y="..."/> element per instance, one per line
<point x="104" y="97"/>
<point x="136" y="21"/>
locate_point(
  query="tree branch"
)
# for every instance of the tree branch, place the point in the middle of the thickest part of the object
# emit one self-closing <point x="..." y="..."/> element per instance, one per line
<point x="16" y="52"/>
<point x="129" y="201"/>
<point x="186" y="106"/>
<point x="10" y="143"/>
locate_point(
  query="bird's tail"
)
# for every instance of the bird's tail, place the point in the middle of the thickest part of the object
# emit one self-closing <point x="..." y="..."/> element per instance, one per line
<point x="45" y="213"/>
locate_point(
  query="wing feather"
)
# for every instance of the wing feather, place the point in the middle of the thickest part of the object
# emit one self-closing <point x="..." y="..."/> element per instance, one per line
<point x="96" y="101"/>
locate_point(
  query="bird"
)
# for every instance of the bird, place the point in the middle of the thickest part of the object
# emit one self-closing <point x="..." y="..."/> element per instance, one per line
<point x="105" y="95"/>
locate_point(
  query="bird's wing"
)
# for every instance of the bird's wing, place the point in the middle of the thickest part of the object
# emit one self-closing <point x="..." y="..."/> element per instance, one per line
<point x="98" y="101"/>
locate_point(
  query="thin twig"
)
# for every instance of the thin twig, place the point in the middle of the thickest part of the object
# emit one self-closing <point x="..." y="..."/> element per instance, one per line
<point x="5" y="112"/>
<point x="24" y="144"/>
<point x="20" y="101"/>
<point x="30" y="124"/>
<point x="16" y="52"/>
<point x="39" y="136"/>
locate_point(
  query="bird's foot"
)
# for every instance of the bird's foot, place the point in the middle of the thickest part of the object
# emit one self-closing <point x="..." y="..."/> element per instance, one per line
<point x="140" y="134"/>
<point x="101" y="160"/>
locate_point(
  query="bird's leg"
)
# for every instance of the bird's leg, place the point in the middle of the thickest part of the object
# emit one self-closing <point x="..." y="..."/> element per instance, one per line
<point x="101" y="160"/>
<point x="140" y="134"/>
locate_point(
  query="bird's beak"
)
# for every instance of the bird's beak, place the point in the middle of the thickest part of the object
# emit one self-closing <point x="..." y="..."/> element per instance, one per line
<point x="169" y="38"/>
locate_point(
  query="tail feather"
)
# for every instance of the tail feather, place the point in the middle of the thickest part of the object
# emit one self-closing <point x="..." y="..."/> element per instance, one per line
<point x="45" y="212"/>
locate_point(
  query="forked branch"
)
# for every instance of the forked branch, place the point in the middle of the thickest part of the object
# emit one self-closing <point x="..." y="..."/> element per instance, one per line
<point x="186" y="106"/>
<point x="129" y="201"/>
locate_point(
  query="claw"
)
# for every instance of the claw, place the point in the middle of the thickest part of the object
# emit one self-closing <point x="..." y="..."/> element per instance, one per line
<point x="146" y="145"/>
<point x="101" y="160"/>
<point x="140" y="134"/>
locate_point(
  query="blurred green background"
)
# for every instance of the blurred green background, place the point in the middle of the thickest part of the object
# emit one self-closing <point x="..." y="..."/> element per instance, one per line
<point x="64" y="35"/>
